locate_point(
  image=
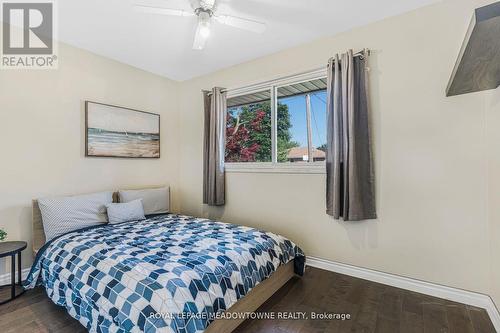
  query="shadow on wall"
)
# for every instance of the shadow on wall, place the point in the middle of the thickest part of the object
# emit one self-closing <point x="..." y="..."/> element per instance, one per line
<point x="213" y="212"/>
<point x="19" y="222"/>
<point x="362" y="234"/>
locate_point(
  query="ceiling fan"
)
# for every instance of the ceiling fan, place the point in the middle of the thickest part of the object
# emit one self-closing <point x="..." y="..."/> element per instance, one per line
<point x="205" y="11"/>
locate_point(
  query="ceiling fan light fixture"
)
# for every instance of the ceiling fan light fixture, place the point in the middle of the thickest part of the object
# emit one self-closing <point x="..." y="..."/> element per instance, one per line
<point x="205" y="29"/>
<point x="204" y="23"/>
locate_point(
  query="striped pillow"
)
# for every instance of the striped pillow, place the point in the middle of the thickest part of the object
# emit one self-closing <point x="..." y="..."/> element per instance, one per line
<point x="65" y="214"/>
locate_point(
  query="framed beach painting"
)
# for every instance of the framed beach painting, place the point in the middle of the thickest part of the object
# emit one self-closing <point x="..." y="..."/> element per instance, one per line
<point x="113" y="131"/>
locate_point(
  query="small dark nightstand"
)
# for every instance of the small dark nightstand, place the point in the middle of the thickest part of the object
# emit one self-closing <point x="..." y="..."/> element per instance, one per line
<point x="11" y="249"/>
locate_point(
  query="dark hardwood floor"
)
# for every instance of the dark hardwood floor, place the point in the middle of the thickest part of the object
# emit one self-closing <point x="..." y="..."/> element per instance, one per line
<point x="372" y="307"/>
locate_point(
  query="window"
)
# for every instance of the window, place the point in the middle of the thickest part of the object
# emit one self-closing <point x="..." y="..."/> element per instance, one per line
<point x="248" y="128"/>
<point x="302" y="122"/>
<point x="279" y="123"/>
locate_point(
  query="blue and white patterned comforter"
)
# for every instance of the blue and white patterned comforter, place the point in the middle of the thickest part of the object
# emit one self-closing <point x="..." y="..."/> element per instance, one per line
<point x="168" y="273"/>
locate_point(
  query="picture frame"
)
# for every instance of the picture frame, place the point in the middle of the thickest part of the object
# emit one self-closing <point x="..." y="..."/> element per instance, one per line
<point x="121" y="132"/>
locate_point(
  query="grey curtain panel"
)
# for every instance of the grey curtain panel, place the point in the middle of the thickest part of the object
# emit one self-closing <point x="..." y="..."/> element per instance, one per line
<point x="350" y="189"/>
<point x="214" y="147"/>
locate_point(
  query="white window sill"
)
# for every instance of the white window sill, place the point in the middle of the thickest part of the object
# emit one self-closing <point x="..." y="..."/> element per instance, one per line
<point x="286" y="168"/>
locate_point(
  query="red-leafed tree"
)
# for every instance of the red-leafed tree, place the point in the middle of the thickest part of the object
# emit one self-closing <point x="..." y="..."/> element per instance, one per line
<point x="248" y="133"/>
<point x="239" y="146"/>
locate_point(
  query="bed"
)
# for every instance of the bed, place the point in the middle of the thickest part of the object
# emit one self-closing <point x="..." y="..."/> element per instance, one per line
<point x="168" y="273"/>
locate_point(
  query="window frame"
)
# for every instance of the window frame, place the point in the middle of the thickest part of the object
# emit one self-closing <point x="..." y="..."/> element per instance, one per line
<point x="314" y="167"/>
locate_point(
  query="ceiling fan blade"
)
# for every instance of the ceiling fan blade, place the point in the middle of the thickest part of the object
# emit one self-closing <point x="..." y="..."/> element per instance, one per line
<point x="199" y="39"/>
<point x="241" y="23"/>
<point x="162" y="11"/>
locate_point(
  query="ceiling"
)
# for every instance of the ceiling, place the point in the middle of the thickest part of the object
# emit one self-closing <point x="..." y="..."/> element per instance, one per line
<point x="163" y="44"/>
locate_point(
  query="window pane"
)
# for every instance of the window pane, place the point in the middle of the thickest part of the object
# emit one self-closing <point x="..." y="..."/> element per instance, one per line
<point x="292" y="121"/>
<point x="248" y="128"/>
<point x="318" y="115"/>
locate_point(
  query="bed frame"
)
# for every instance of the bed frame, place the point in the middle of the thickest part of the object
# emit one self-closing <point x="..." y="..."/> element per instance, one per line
<point x="251" y="302"/>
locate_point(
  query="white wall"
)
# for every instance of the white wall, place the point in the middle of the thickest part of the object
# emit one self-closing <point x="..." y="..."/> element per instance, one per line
<point x="493" y="135"/>
<point x="430" y="156"/>
<point x="42" y="134"/>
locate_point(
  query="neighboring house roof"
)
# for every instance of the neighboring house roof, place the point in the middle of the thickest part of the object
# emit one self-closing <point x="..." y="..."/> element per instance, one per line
<point x="300" y="152"/>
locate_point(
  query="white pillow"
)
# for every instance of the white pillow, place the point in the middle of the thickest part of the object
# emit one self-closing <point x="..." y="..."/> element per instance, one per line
<point x="154" y="201"/>
<point x="124" y="212"/>
<point x="65" y="214"/>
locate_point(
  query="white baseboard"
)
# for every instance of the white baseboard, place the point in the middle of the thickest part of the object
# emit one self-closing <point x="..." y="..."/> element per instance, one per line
<point x="5" y="278"/>
<point x="432" y="289"/>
